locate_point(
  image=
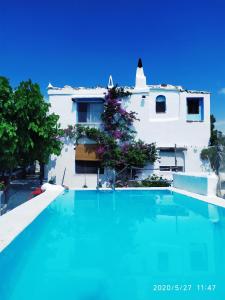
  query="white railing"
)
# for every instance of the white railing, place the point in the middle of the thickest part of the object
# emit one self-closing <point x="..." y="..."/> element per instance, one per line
<point x="91" y="125"/>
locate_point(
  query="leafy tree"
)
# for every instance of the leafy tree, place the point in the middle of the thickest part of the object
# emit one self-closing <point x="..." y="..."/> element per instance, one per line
<point x="215" y="153"/>
<point x="213" y="131"/>
<point x="26" y="126"/>
<point x="38" y="131"/>
<point x="216" y="136"/>
<point x="8" y="138"/>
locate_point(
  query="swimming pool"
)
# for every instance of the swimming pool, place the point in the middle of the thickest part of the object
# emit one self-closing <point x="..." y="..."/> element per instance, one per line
<point x="128" y="244"/>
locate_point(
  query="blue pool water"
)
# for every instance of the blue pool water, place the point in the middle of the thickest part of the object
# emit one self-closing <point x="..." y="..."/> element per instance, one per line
<point x="136" y="245"/>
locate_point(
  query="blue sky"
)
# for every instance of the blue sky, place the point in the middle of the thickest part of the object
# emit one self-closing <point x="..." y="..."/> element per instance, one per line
<point x="80" y="43"/>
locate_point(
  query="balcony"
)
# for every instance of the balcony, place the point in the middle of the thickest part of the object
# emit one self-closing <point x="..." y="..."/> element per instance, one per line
<point x="91" y="124"/>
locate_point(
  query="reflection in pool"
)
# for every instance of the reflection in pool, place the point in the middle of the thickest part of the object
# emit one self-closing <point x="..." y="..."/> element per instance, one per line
<point x="132" y="244"/>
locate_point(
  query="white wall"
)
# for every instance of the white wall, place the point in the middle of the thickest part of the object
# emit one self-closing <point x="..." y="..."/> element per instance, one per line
<point x="165" y="129"/>
<point x="200" y="183"/>
<point x="62" y="104"/>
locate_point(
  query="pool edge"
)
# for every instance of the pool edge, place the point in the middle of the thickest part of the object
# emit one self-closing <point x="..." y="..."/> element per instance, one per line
<point x="15" y="221"/>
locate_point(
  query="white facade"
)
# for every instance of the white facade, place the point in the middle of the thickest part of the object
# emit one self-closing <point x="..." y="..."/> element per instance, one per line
<point x="169" y="116"/>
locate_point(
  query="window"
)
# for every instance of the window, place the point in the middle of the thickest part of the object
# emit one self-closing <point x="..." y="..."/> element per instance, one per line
<point x="160" y="104"/>
<point x="82" y="109"/>
<point x="195" y="109"/>
<point x="171" y="168"/>
<point x="193" y="106"/>
<point x="88" y="167"/>
<point x="89" y="112"/>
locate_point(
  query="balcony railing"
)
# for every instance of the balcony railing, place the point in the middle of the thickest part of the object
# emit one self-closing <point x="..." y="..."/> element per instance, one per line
<point x="91" y="125"/>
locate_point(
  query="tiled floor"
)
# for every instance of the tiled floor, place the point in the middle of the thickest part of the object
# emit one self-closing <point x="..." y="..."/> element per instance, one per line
<point x="18" y="193"/>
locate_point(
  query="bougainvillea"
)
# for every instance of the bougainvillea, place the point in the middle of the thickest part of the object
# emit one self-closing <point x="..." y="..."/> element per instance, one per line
<point x="116" y="142"/>
<point x="117" y="121"/>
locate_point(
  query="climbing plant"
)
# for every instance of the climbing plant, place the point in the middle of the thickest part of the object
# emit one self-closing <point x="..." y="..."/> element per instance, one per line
<point x="116" y="142"/>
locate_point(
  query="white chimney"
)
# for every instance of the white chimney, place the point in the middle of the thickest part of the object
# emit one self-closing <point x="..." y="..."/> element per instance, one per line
<point x="140" y="82"/>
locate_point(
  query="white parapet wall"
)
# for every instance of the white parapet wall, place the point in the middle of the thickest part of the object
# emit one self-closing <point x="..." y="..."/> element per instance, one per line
<point x="199" y="183"/>
<point x="15" y="221"/>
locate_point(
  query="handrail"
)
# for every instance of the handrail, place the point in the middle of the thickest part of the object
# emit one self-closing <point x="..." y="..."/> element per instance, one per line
<point x="123" y="169"/>
<point x="115" y="175"/>
<point x="97" y="187"/>
<point x="63" y="176"/>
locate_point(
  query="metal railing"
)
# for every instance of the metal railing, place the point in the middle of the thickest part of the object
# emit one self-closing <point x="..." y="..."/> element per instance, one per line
<point x="91" y="125"/>
<point x="130" y="176"/>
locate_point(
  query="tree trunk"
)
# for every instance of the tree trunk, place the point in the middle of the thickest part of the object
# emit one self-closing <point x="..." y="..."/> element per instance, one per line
<point x="24" y="172"/>
<point x="42" y="172"/>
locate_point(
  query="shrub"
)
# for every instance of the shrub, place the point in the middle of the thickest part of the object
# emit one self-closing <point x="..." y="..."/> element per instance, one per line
<point x="155" y="181"/>
<point x="2" y="186"/>
<point x="150" y="181"/>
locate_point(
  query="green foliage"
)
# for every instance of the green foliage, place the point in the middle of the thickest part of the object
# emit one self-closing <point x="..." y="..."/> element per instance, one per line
<point x="38" y="131"/>
<point x="2" y="186"/>
<point x="155" y="181"/>
<point x="138" y="153"/>
<point x="213" y="135"/>
<point x="213" y="153"/>
<point x="28" y="132"/>
<point x="118" y="92"/>
<point x="215" y="156"/>
<point x="208" y="153"/>
<point x="216" y="136"/>
<point x="8" y="128"/>
<point x="117" y="121"/>
<point x="150" y="181"/>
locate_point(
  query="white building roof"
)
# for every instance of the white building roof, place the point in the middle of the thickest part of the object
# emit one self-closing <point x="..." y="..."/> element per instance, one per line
<point x="103" y="90"/>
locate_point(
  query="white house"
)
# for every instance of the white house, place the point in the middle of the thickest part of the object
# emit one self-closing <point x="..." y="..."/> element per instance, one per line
<point x="177" y="120"/>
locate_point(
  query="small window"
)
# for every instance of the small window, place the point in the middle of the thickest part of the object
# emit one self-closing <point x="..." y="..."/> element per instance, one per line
<point x="195" y="109"/>
<point x="88" y="167"/>
<point x="160" y="104"/>
<point x="193" y="106"/>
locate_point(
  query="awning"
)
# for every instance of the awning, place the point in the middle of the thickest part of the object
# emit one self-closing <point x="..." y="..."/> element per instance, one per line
<point x="172" y="149"/>
<point x="87" y="152"/>
<point x="88" y="100"/>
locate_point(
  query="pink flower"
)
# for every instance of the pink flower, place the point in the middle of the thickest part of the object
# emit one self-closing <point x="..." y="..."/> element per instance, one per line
<point x="100" y="150"/>
<point x="125" y="147"/>
<point x="117" y="134"/>
<point x="122" y="111"/>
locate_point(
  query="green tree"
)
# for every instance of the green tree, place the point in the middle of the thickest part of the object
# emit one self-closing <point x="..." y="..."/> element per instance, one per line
<point x="28" y="132"/>
<point x="216" y="136"/>
<point x="8" y="137"/>
<point x="215" y="153"/>
<point x="213" y="136"/>
<point x="38" y="131"/>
